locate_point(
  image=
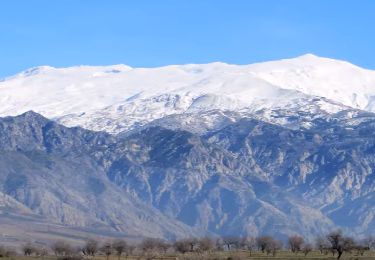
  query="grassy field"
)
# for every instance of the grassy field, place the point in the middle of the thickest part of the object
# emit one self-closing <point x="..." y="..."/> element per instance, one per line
<point x="283" y="255"/>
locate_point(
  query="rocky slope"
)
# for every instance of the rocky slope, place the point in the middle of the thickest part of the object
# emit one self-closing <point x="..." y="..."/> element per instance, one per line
<point x="53" y="172"/>
<point x="157" y="182"/>
<point x="249" y="177"/>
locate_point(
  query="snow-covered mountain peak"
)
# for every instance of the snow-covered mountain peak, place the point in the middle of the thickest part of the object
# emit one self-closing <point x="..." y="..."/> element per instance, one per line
<point x="334" y="79"/>
<point x="145" y="94"/>
<point x="308" y="56"/>
<point x="82" y="69"/>
<point x="308" y="59"/>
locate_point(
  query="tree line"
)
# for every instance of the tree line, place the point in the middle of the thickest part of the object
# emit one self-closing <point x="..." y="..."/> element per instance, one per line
<point x="334" y="243"/>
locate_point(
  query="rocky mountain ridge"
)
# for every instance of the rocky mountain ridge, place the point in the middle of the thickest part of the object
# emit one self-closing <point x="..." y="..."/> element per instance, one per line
<point x="249" y="177"/>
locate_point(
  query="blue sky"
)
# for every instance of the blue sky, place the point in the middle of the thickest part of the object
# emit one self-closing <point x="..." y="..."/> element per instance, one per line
<point x="159" y="32"/>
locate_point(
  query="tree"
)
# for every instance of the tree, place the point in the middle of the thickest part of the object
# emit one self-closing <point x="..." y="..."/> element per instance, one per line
<point x="335" y="238"/>
<point x="129" y="250"/>
<point x="273" y="246"/>
<point x="42" y="252"/>
<point x="192" y="242"/>
<point x="90" y="248"/>
<point x="339" y="243"/>
<point x="181" y="246"/>
<point x="107" y="249"/>
<point x="120" y="246"/>
<point x="219" y="244"/>
<point x="307" y="248"/>
<point x="322" y="244"/>
<point x="205" y="244"/>
<point x="295" y="243"/>
<point x="151" y="247"/>
<point x="248" y="243"/>
<point x="231" y="242"/>
<point x="61" y="248"/>
<point x="28" y="249"/>
<point x="263" y="242"/>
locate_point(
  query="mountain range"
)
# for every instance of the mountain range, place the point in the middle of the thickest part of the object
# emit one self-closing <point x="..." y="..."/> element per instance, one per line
<point x="280" y="147"/>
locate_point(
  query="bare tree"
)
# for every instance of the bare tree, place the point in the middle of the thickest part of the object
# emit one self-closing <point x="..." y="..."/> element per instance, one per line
<point x="263" y="242"/>
<point x="335" y="238"/>
<point x="41" y="252"/>
<point x="44" y="252"/>
<point x="273" y="246"/>
<point x="322" y="244"/>
<point x="61" y="248"/>
<point x="107" y="249"/>
<point x="295" y="243"/>
<point x="193" y="243"/>
<point x="231" y="242"/>
<point x="307" y="248"/>
<point x="219" y="244"/>
<point x="90" y="248"/>
<point x="205" y="244"/>
<point x="121" y="247"/>
<point x="249" y="244"/>
<point x="339" y="243"/>
<point x="152" y="247"/>
<point x="129" y="250"/>
<point x="182" y="246"/>
<point x="28" y="249"/>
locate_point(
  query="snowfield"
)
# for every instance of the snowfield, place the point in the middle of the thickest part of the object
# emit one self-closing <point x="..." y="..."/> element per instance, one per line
<point x="117" y="98"/>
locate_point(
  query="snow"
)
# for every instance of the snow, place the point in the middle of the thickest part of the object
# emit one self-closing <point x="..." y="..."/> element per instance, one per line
<point x="337" y="80"/>
<point x="84" y="95"/>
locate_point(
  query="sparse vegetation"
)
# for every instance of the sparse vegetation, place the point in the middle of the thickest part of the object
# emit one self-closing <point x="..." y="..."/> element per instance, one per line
<point x="334" y="245"/>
